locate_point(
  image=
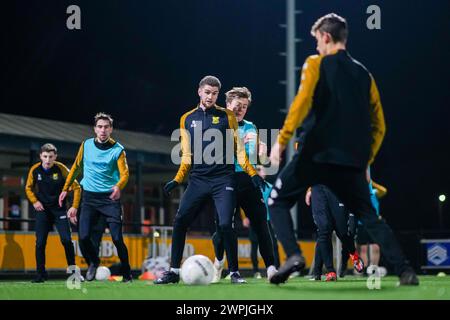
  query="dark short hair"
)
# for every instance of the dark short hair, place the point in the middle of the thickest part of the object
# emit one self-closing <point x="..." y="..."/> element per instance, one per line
<point x="210" y="81"/>
<point x="333" y="24"/>
<point x="48" y="147"/>
<point x="238" y="92"/>
<point x="103" y="116"/>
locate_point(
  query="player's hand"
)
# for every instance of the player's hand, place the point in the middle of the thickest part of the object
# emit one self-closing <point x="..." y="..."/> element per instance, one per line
<point x="259" y="182"/>
<point x="246" y="223"/>
<point x="262" y="148"/>
<point x="38" y="206"/>
<point x="115" y="195"/>
<point x="169" y="186"/>
<point x="62" y="196"/>
<point x="262" y="152"/>
<point x="72" y="214"/>
<point x="275" y="154"/>
<point x="368" y="174"/>
<point x="250" y="137"/>
<point x="308" y="197"/>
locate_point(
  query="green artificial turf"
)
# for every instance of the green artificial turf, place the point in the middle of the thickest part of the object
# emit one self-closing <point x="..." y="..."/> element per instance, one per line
<point x="431" y="287"/>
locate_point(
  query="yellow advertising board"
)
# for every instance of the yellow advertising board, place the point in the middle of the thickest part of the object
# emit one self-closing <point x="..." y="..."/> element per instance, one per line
<point x="17" y="251"/>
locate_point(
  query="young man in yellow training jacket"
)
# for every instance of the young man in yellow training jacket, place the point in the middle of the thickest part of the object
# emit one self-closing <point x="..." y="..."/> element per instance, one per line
<point x="44" y="184"/>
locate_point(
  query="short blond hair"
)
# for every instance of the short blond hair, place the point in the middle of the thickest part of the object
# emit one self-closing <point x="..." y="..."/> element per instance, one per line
<point x="238" y="92"/>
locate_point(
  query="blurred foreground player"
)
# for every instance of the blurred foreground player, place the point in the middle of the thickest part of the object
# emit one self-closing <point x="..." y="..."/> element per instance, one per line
<point x="330" y="215"/>
<point x="337" y="210"/>
<point x="44" y="184"/>
<point x="368" y="250"/>
<point x="347" y="134"/>
<point x="210" y="176"/>
<point x="105" y="173"/>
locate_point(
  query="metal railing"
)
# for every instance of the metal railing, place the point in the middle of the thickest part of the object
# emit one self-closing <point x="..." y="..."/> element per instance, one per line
<point x="125" y="224"/>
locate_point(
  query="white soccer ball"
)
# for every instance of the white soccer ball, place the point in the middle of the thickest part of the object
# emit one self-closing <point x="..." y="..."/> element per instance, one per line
<point x="376" y="270"/>
<point x="197" y="270"/>
<point x="102" y="273"/>
<point x="157" y="266"/>
<point x="382" y="271"/>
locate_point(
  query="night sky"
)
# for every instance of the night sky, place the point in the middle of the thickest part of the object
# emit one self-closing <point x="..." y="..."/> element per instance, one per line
<point x="141" y="61"/>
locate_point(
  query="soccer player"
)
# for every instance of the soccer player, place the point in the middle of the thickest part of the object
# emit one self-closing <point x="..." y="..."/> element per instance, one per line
<point x="336" y="211"/>
<point x="330" y="215"/>
<point x="44" y="184"/>
<point x="97" y="231"/>
<point x="266" y="195"/>
<point x="208" y="178"/>
<point x="105" y="173"/>
<point x="218" y="247"/>
<point x="347" y="134"/>
<point x="369" y="250"/>
<point x="249" y="199"/>
<point x="253" y="247"/>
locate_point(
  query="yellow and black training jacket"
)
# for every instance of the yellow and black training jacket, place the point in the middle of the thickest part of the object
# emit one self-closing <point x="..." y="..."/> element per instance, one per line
<point x="195" y="142"/>
<point x="349" y="123"/>
<point x="46" y="185"/>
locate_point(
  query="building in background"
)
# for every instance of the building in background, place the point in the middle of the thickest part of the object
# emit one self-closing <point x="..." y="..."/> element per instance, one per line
<point x="148" y="160"/>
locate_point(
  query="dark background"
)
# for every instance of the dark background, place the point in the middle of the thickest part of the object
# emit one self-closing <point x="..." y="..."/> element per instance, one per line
<point x="141" y="61"/>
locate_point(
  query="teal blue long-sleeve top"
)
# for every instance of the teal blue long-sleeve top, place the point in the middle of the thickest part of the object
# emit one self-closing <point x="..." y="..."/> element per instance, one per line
<point x="251" y="148"/>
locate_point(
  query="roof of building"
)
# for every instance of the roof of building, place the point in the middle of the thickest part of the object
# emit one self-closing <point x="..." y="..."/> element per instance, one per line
<point x="16" y="125"/>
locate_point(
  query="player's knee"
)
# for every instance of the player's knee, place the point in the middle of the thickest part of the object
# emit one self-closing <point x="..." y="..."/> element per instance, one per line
<point x="183" y="217"/>
<point x="84" y="238"/>
<point x="117" y="239"/>
<point x="275" y="203"/>
<point x="181" y="223"/>
<point x="66" y="241"/>
<point x="216" y="237"/>
<point x="324" y="234"/>
<point x="226" y="228"/>
<point x="324" y="227"/>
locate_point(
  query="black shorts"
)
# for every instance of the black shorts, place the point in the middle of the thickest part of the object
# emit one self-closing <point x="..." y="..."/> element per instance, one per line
<point x="95" y="204"/>
<point x="362" y="237"/>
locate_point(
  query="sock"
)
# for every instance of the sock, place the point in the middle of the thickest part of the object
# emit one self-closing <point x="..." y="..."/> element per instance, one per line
<point x="176" y="270"/>
<point x="219" y="262"/>
<point x="271" y="268"/>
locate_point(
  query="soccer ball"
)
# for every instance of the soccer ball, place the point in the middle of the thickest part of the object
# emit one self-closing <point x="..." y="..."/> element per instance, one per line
<point x="197" y="270"/>
<point x="157" y="266"/>
<point x="102" y="273"/>
<point x="376" y="270"/>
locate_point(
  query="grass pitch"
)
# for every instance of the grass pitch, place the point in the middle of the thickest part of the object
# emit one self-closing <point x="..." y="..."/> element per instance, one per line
<point x="431" y="287"/>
